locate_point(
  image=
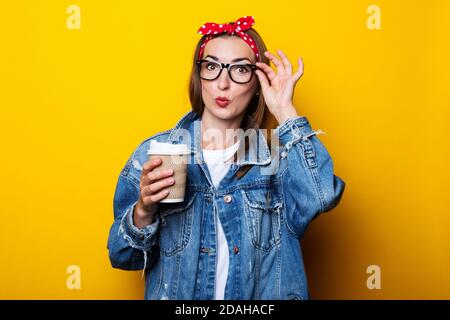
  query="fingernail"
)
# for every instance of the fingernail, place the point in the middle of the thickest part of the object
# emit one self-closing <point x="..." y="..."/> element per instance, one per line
<point x="170" y="171"/>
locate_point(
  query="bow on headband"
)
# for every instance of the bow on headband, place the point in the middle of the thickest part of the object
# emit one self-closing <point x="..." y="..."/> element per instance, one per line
<point x="231" y="28"/>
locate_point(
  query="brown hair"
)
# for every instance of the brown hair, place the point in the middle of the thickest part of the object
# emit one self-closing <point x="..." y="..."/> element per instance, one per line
<point x="257" y="109"/>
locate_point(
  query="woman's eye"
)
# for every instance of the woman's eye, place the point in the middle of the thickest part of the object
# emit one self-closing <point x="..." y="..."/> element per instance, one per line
<point x="211" y="66"/>
<point x="242" y="69"/>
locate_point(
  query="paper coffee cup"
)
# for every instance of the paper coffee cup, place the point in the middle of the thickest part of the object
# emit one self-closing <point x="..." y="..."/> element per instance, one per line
<point x="174" y="156"/>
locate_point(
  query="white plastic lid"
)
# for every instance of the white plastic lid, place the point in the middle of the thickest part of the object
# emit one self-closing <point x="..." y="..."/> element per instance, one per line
<point x="167" y="148"/>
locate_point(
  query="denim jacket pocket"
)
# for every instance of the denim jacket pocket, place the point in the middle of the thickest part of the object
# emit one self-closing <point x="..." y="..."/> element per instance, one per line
<point x="176" y="225"/>
<point x="262" y="213"/>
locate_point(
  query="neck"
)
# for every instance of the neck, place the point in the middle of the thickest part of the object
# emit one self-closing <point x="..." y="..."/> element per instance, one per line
<point x="217" y="133"/>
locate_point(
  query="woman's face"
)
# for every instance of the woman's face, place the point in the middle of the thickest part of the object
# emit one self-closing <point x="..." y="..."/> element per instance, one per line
<point x="226" y="50"/>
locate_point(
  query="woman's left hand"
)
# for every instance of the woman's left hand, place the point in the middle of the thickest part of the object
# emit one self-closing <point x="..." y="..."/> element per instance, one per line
<point x="279" y="92"/>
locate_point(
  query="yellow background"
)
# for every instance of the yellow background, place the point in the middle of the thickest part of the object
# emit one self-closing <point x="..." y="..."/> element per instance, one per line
<point x="75" y="103"/>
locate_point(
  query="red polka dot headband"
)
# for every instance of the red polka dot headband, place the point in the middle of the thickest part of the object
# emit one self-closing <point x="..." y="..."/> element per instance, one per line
<point x="237" y="27"/>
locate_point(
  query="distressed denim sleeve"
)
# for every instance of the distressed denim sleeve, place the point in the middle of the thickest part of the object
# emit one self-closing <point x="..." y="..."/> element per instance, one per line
<point x="128" y="245"/>
<point x="309" y="184"/>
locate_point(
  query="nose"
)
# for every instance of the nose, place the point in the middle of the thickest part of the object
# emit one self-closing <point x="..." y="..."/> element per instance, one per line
<point x="224" y="79"/>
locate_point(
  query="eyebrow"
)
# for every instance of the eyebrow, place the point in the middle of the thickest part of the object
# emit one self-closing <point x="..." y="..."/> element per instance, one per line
<point x="234" y="60"/>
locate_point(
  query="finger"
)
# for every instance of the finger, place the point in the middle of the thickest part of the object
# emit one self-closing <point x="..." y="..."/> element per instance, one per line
<point x="155" y="198"/>
<point x="153" y="176"/>
<point x="262" y="79"/>
<point x="276" y="62"/>
<point x="151" y="164"/>
<point x="157" y="186"/>
<point x="267" y="70"/>
<point x="286" y="62"/>
<point x="300" y="70"/>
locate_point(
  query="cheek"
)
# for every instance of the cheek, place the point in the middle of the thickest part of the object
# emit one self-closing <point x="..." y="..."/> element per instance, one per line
<point x="246" y="92"/>
<point x="207" y="90"/>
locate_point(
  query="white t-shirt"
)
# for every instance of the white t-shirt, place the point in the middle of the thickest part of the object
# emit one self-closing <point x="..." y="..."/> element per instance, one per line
<point x="218" y="166"/>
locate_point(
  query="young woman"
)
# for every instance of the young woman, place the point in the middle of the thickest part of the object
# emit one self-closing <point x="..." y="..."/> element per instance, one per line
<point x="248" y="202"/>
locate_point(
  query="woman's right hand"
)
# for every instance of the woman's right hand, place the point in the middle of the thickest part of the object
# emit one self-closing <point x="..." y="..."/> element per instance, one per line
<point x="152" y="190"/>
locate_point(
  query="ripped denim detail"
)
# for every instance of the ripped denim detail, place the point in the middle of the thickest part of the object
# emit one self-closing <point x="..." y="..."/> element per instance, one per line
<point x="142" y="235"/>
<point x="296" y="137"/>
<point x="137" y="165"/>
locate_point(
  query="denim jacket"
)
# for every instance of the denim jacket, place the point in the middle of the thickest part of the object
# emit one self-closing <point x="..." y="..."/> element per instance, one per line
<point x="263" y="213"/>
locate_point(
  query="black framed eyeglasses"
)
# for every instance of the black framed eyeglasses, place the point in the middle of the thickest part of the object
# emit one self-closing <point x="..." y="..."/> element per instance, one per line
<point x="238" y="72"/>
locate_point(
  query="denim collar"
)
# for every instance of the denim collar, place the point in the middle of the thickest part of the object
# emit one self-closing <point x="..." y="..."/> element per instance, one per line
<point x="188" y="131"/>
